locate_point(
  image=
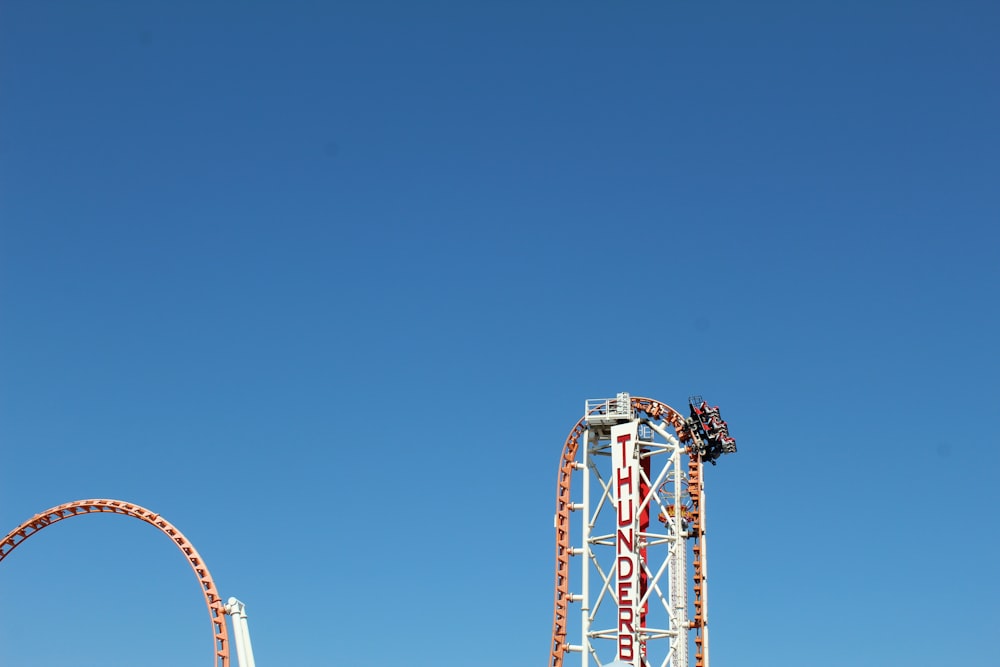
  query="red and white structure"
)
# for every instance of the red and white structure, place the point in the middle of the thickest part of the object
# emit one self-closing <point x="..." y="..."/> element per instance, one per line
<point x="631" y="572"/>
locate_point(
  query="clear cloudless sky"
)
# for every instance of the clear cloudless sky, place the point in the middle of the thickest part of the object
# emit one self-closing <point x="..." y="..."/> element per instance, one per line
<point x="326" y="284"/>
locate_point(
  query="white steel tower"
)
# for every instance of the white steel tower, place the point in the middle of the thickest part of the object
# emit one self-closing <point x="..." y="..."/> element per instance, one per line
<point x="637" y="529"/>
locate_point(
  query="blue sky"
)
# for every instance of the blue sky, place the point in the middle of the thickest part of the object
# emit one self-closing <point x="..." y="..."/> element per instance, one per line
<point x="327" y="284"/>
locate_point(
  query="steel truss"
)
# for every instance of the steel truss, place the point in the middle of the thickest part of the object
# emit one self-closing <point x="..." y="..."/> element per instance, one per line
<point x="640" y="526"/>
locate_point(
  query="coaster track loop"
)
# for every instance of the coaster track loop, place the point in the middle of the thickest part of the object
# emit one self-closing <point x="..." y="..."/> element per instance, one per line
<point x="96" y="506"/>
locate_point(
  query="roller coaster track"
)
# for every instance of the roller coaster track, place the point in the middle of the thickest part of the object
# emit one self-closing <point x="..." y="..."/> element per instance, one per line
<point x="655" y="411"/>
<point x="81" y="507"/>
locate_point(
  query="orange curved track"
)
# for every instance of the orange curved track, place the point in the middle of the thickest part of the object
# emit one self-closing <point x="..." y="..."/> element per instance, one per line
<point x="654" y="410"/>
<point x="81" y="507"/>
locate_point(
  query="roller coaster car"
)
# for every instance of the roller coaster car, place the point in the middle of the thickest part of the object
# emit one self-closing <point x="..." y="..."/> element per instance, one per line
<point x="712" y="428"/>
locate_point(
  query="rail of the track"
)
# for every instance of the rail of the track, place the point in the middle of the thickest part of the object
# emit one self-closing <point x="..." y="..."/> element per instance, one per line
<point x="656" y="411"/>
<point x="82" y="507"/>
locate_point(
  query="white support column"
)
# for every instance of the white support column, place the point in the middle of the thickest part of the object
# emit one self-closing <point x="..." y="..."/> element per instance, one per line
<point x="704" y="572"/>
<point x="585" y="552"/>
<point x="241" y="632"/>
<point x="679" y="569"/>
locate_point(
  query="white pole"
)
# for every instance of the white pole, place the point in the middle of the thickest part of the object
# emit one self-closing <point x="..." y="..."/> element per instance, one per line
<point x="241" y="632"/>
<point x="585" y="554"/>
<point x="704" y="567"/>
<point x="678" y="564"/>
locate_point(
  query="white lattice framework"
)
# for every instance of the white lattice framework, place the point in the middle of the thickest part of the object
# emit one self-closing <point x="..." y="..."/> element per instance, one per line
<point x="637" y="526"/>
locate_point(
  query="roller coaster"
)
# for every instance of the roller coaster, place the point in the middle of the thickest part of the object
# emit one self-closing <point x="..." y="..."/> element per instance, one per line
<point x="642" y="575"/>
<point x="642" y="578"/>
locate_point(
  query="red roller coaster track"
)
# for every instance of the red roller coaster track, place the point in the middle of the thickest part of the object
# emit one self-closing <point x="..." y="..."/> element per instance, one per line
<point x="81" y="507"/>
